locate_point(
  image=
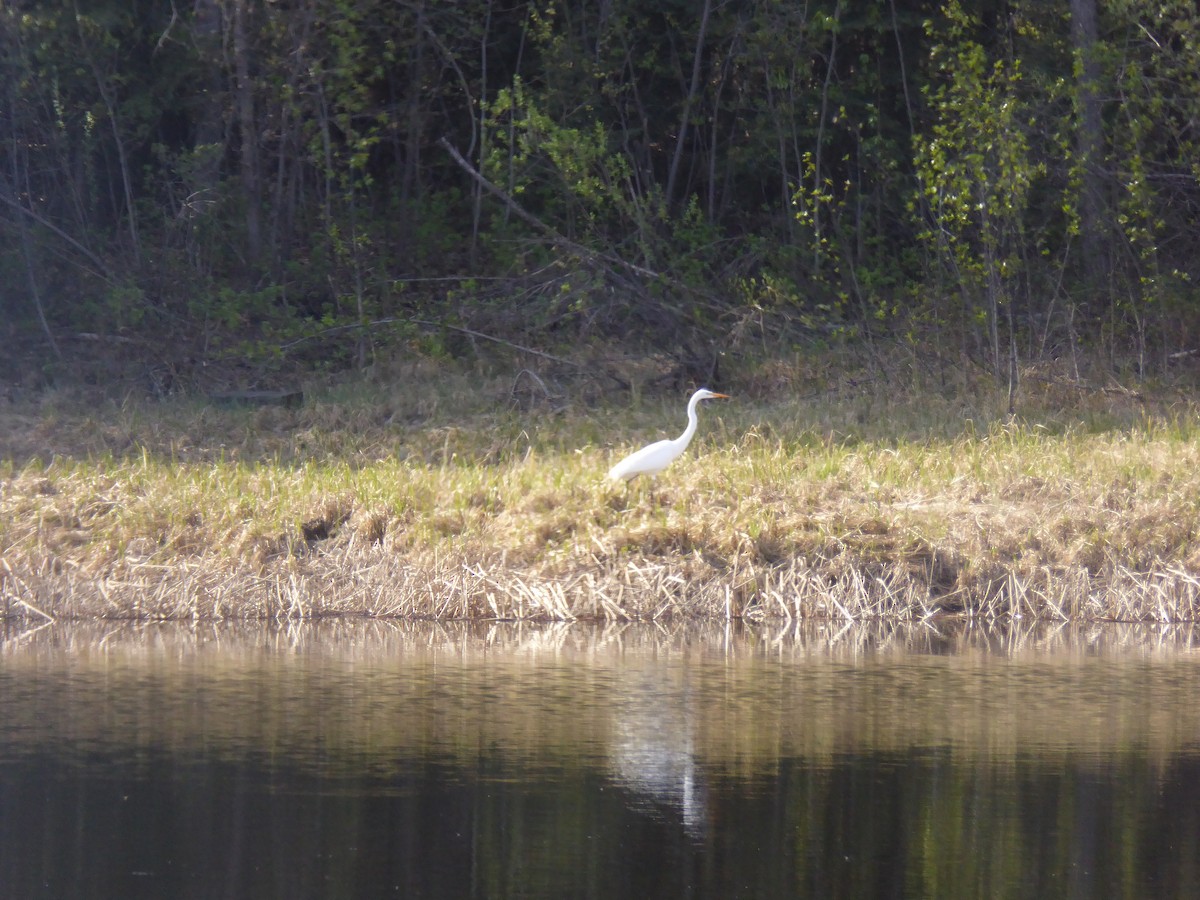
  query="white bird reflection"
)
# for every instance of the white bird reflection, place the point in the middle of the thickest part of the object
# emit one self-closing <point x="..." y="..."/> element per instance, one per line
<point x="653" y="756"/>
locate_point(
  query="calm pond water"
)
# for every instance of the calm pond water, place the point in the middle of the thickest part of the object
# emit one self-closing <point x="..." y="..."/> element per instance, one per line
<point x="377" y="759"/>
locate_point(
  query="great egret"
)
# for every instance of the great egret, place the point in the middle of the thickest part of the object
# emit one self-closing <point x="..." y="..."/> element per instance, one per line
<point x="653" y="458"/>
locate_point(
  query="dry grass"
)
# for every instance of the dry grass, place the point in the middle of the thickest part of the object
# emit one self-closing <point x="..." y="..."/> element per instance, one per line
<point x="434" y="495"/>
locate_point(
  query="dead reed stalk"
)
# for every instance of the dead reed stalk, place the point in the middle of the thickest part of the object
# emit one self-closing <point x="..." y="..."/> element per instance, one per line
<point x="621" y="589"/>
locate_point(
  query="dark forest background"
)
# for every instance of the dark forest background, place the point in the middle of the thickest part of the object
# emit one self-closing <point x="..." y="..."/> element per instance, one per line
<point x="316" y="181"/>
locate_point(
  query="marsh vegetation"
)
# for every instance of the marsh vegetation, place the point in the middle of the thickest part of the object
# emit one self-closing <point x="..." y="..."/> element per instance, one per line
<point x="431" y="491"/>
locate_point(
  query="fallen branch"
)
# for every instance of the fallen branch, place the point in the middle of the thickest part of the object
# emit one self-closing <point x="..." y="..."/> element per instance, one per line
<point x="1075" y="384"/>
<point x="427" y="323"/>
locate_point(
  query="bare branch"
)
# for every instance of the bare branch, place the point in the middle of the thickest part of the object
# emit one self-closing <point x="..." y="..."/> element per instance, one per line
<point x="50" y="226"/>
<point x="530" y="219"/>
<point x="162" y="39"/>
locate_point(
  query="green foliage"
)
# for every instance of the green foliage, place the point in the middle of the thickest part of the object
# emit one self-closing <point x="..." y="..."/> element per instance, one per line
<point x="977" y="170"/>
<point x="237" y="164"/>
<point x="1158" y="84"/>
<point x="567" y="172"/>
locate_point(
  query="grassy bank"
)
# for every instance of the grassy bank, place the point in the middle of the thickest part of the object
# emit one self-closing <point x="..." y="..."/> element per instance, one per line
<point x="433" y="493"/>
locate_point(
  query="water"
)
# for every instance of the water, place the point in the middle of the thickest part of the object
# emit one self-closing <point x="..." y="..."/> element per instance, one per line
<point x="375" y="759"/>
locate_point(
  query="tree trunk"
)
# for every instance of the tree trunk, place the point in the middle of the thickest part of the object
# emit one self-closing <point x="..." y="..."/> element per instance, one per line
<point x="1089" y="142"/>
<point x="818" y="151"/>
<point x="689" y="100"/>
<point x="104" y="86"/>
<point x="248" y="130"/>
<point x="27" y="253"/>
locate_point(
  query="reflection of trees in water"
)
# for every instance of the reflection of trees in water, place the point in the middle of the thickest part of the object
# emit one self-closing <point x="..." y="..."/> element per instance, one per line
<point x="454" y="760"/>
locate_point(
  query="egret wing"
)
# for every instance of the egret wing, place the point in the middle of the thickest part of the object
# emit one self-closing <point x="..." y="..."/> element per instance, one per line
<point x="650" y="460"/>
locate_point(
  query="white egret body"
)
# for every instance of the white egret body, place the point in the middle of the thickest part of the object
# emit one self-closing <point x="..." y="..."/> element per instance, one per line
<point x="653" y="458"/>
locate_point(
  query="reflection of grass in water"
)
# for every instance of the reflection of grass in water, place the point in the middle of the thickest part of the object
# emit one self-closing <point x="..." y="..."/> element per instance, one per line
<point x="369" y="693"/>
<point x="874" y="502"/>
<point x="857" y="748"/>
